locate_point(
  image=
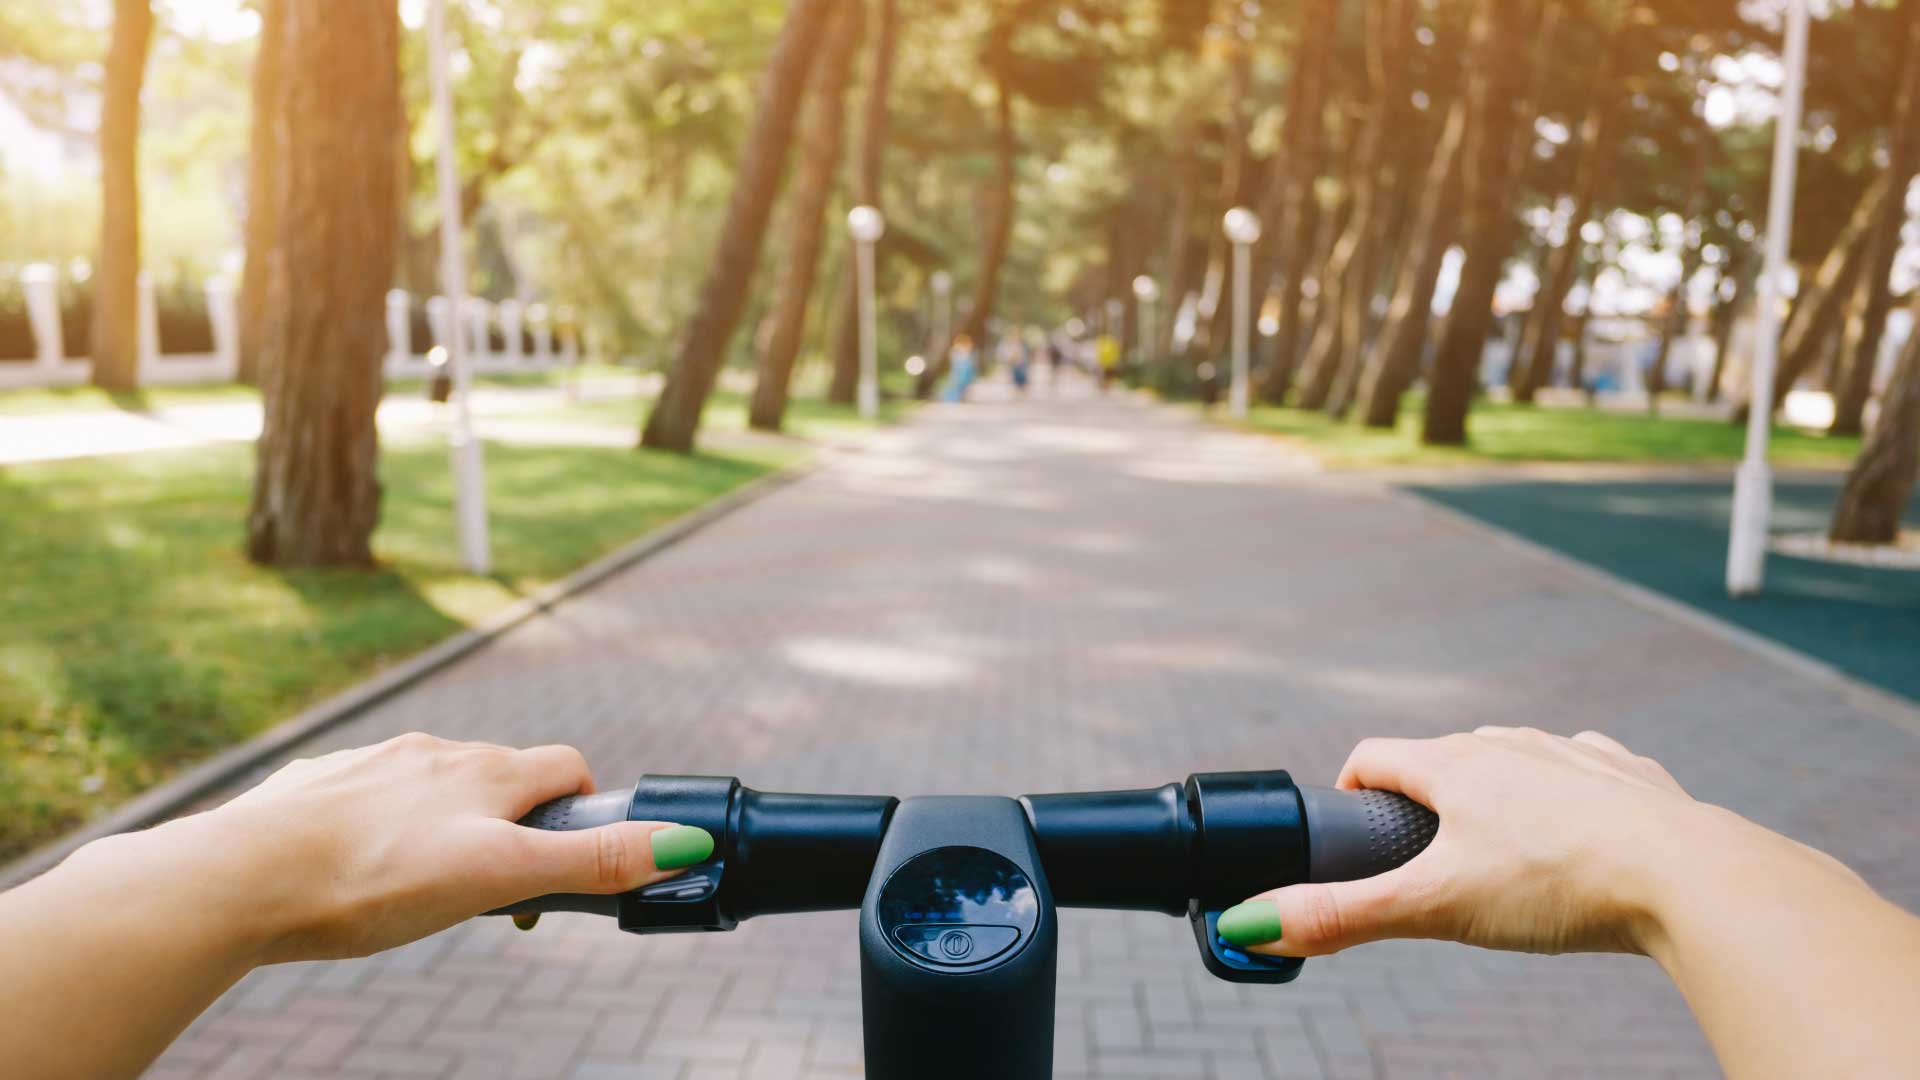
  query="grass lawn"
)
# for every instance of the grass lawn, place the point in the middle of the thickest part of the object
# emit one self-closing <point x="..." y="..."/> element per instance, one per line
<point x="53" y="399"/>
<point x="1500" y="432"/>
<point x="135" y="637"/>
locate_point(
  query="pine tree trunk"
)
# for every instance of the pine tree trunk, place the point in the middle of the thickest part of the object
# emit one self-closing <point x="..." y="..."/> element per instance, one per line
<point x="675" y="418"/>
<point x="116" y="270"/>
<point x="1179" y="248"/>
<point x="786" y="323"/>
<point x="1861" y="343"/>
<point x="1741" y="267"/>
<point x="1298" y="172"/>
<point x="1819" y="307"/>
<point x="1213" y="312"/>
<point x="1502" y="29"/>
<point x="262" y="158"/>
<point x="1397" y="351"/>
<point x="316" y="496"/>
<point x="999" y="233"/>
<point x="1540" y="342"/>
<point x="1578" y="376"/>
<point x="873" y="145"/>
<point x="1678" y="317"/>
<point x="1880" y="485"/>
<point x="1389" y="31"/>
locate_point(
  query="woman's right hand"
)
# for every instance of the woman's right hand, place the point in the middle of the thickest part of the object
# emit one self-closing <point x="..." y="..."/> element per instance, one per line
<point x="1546" y="844"/>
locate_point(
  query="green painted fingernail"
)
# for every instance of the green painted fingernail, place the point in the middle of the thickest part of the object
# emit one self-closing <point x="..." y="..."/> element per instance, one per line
<point x="1255" y="922"/>
<point x="679" y="846"/>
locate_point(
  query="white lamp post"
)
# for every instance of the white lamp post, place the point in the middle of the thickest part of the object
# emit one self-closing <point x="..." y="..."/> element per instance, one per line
<point x="1146" y="291"/>
<point x="867" y="226"/>
<point x="1243" y="229"/>
<point x="942" y="283"/>
<point x="1753" y="483"/>
<point x="469" y="474"/>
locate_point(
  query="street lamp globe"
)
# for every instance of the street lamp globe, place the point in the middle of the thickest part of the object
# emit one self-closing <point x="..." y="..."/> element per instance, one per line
<point x="942" y="282"/>
<point x="1145" y="289"/>
<point x="1242" y="225"/>
<point x="866" y="224"/>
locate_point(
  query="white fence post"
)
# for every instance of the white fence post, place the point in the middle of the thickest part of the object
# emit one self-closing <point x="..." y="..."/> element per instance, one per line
<point x="223" y="315"/>
<point x="542" y="325"/>
<point x="399" y="327"/>
<point x="478" y="317"/>
<point x="148" y="328"/>
<point x="41" y="284"/>
<point x="440" y="320"/>
<point x="511" y="314"/>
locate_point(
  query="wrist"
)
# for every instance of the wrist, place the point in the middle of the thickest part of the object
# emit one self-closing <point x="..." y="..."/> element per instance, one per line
<point x="189" y="880"/>
<point x="1699" y="862"/>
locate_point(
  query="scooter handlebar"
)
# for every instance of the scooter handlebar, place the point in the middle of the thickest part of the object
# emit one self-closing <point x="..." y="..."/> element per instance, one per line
<point x="1215" y="839"/>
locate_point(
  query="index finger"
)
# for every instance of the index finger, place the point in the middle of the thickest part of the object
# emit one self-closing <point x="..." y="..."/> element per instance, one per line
<point x="1403" y="765"/>
<point x="541" y="773"/>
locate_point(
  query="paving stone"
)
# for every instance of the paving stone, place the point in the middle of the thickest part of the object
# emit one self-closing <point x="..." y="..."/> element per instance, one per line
<point x="1062" y="594"/>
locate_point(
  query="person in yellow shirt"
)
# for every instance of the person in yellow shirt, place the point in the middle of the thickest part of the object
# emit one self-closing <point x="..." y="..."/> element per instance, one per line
<point x="1106" y="352"/>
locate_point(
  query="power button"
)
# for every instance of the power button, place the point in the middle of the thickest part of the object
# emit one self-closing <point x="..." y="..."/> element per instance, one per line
<point x="956" y="944"/>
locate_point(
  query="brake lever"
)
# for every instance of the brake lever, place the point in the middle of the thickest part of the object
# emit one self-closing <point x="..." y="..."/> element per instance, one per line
<point x="1232" y="963"/>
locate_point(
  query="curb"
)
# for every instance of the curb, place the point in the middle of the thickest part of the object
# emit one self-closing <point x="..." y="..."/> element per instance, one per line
<point x="170" y="797"/>
<point x="1888" y="706"/>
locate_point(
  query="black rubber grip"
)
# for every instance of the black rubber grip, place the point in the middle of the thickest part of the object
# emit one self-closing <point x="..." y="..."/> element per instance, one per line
<point x="1357" y="834"/>
<point x="566" y="815"/>
<point x="580" y="811"/>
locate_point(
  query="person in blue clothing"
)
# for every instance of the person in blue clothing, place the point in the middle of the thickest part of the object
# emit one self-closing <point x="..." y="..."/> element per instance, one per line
<point x="964" y="366"/>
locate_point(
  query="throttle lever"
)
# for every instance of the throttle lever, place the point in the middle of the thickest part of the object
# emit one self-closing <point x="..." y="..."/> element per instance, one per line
<point x="1350" y="835"/>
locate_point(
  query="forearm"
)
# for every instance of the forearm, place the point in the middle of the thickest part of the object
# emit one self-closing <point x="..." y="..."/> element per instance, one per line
<point x="1791" y="964"/>
<point x="113" y="953"/>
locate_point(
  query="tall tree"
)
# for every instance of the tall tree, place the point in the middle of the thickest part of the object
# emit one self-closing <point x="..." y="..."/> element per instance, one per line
<point x="1186" y="181"/>
<point x="1293" y="185"/>
<point x="1734" y="291"/>
<point x="1501" y="31"/>
<point x="867" y="188"/>
<point x="1880" y="484"/>
<point x="1237" y="174"/>
<point x="263" y="156"/>
<point x="1352" y="273"/>
<point x="1861" y="343"/>
<point x="116" y="271"/>
<point x="1396" y="353"/>
<point x="1540" y="342"/>
<point x="316" y="493"/>
<point x="1822" y="300"/>
<point x="1004" y="65"/>
<point x="785" y="323"/>
<point x="675" y="418"/>
<point x="999" y="215"/>
<point x="1678" y="316"/>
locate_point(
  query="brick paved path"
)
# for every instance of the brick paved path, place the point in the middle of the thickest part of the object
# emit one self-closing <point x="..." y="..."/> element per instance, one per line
<point x="1060" y="594"/>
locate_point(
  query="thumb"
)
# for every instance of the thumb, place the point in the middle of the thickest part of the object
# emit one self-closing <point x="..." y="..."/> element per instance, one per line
<point x="613" y="858"/>
<point x="1317" y="919"/>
